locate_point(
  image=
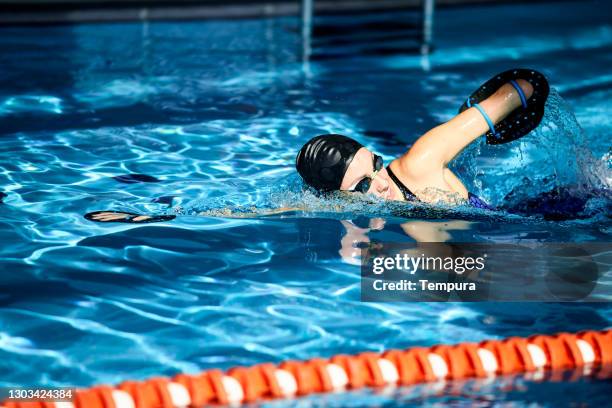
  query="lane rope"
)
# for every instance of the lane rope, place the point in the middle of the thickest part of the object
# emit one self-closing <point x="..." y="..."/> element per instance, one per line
<point x="588" y="350"/>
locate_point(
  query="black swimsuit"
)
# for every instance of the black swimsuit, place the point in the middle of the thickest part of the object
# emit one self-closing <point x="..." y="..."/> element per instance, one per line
<point x="408" y="195"/>
<point x="473" y="199"/>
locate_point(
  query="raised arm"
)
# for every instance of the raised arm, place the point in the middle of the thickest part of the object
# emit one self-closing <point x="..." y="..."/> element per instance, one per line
<point x="435" y="149"/>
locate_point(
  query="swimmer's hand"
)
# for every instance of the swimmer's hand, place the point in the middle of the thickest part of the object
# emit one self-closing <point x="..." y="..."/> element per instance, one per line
<point x="124" y="217"/>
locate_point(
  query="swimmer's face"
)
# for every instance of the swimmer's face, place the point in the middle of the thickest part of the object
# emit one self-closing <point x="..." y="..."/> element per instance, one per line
<point x="361" y="167"/>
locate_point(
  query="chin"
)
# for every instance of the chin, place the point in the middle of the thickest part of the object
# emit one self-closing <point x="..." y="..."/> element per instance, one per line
<point x="394" y="197"/>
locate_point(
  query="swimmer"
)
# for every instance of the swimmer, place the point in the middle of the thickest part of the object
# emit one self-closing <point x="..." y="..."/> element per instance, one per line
<point x="503" y="109"/>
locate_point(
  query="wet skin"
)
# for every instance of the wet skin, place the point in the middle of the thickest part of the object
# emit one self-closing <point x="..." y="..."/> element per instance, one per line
<point x="423" y="168"/>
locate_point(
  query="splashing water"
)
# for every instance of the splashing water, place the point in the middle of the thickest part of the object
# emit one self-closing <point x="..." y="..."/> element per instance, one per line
<point x="554" y="155"/>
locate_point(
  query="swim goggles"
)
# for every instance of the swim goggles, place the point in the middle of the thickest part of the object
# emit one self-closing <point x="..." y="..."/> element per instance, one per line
<point x="365" y="183"/>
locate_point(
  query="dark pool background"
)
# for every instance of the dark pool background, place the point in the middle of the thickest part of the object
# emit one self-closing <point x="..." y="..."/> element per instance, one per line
<point x="215" y="111"/>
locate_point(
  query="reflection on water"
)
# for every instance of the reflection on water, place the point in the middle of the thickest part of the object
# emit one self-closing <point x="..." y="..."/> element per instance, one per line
<point x="511" y="391"/>
<point x="357" y="237"/>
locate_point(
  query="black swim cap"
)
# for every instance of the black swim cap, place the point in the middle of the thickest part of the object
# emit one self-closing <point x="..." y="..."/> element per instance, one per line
<point x="323" y="160"/>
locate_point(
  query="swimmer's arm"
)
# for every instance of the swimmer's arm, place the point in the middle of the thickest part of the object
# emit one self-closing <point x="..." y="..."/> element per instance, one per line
<point x="126" y="217"/>
<point x="435" y="149"/>
<point x="349" y="244"/>
<point x="349" y="249"/>
<point x="453" y="181"/>
<point x="229" y="213"/>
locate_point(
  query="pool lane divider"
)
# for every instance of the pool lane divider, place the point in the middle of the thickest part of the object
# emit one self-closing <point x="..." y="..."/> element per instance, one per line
<point x="588" y="350"/>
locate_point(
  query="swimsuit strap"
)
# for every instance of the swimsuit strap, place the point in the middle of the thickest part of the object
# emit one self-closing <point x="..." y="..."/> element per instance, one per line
<point x="408" y="195"/>
<point x="473" y="199"/>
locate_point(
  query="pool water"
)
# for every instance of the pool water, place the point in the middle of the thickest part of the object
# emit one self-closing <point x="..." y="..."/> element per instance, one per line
<point x="213" y="113"/>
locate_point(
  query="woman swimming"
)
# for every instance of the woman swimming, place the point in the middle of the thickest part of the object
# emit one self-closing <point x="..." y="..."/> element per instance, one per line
<point x="505" y="108"/>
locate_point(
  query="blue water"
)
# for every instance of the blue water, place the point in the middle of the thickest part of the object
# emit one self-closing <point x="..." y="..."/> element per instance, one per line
<point x="214" y="112"/>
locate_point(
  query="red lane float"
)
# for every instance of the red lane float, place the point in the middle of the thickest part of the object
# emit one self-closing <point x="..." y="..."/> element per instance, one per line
<point x="589" y="349"/>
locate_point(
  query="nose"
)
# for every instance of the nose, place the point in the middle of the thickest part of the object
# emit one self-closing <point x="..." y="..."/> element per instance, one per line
<point x="381" y="184"/>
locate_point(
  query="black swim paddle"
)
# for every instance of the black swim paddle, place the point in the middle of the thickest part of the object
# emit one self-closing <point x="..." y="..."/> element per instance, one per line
<point x="523" y="119"/>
